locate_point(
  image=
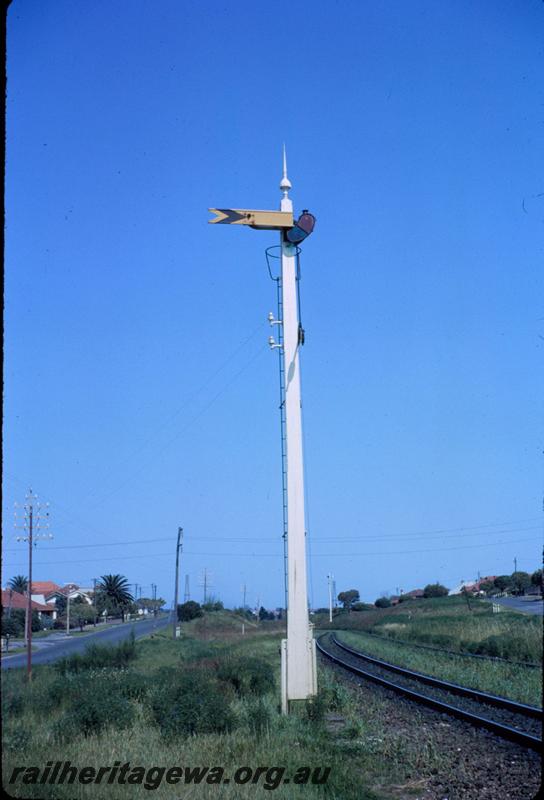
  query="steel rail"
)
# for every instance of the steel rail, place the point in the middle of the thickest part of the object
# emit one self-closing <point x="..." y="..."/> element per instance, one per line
<point x="504" y="731"/>
<point x="454" y="688"/>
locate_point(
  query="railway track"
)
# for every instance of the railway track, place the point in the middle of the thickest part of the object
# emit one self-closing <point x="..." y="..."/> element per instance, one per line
<point x="517" y="722"/>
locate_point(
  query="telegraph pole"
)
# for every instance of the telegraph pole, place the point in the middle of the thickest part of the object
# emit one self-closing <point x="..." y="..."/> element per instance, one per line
<point x="179" y="548"/>
<point x="68" y="614"/>
<point x="298" y="661"/>
<point x="154" y="597"/>
<point x="515" y="564"/>
<point x="244" y="609"/>
<point x="34" y="520"/>
<point x="187" y="593"/>
<point x="330" y="579"/>
<point x="94" y="602"/>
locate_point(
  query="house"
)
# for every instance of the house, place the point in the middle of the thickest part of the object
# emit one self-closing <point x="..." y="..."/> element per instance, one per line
<point x="69" y="591"/>
<point x="395" y="600"/>
<point x="460" y="588"/>
<point x="476" y="587"/>
<point x="16" y="600"/>
<point x="40" y="589"/>
<point x="473" y="586"/>
<point x="415" y="594"/>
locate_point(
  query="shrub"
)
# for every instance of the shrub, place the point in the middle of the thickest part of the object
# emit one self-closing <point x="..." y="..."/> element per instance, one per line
<point x="435" y="590"/>
<point x="213" y="605"/>
<point x="94" y="711"/>
<point x="36" y="623"/>
<point x="382" y="602"/>
<point x="336" y="696"/>
<point x="189" y="610"/>
<point x="361" y="607"/>
<point x="12" y="626"/>
<point x="13" y="702"/>
<point x="97" y="656"/>
<point x="258" y="716"/>
<point x="133" y="685"/>
<point x="64" y="729"/>
<point x="44" y="698"/>
<point x="514" y="647"/>
<point x="16" y="738"/>
<point x="190" y="704"/>
<point x="247" y="675"/>
<point x="317" y="706"/>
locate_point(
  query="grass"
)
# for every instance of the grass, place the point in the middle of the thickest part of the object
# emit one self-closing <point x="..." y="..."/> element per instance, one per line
<point x="98" y="715"/>
<point x="449" y="623"/>
<point x="507" y="680"/>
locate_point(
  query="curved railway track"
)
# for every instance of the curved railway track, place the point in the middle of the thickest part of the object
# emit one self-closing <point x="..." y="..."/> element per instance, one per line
<point x="517" y="722"/>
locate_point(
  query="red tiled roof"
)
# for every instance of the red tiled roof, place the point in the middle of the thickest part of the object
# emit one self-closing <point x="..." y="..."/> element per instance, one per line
<point x="414" y="593"/>
<point x="44" y="587"/>
<point x="17" y="600"/>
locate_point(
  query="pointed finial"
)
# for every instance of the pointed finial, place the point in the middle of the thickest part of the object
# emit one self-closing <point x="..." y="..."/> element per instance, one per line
<point x="285" y="184"/>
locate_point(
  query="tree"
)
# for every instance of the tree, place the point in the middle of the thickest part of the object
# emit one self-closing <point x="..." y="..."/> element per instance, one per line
<point x="151" y="604"/>
<point x="11" y="626"/>
<point x="81" y="614"/>
<point x="360" y="607"/>
<point x="488" y="587"/>
<point x="503" y="582"/>
<point x="113" y="594"/>
<point x="382" y="602"/>
<point x="19" y="584"/>
<point x="348" y="598"/>
<point x="536" y="578"/>
<point x="435" y="590"/>
<point x="244" y="612"/>
<point x="189" y="610"/>
<point x="213" y="604"/>
<point x="264" y="614"/>
<point x="60" y="604"/>
<point x="520" y="581"/>
<point x="36" y="623"/>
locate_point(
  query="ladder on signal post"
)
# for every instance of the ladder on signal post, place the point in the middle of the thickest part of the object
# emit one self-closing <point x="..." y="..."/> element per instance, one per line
<point x="283" y="436"/>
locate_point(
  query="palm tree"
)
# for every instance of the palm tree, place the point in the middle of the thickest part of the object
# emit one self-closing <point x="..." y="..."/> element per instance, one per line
<point x="113" y="591"/>
<point x="19" y="584"/>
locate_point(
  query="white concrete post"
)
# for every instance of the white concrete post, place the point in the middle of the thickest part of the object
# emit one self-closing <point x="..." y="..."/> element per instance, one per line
<point x="299" y="670"/>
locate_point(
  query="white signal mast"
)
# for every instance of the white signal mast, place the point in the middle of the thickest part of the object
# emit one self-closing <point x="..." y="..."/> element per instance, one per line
<point x="298" y="667"/>
<point x="298" y="658"/>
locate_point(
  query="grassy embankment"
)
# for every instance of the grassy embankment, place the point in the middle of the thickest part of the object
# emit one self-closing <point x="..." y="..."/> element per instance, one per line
<point x="210" y="698"/>
<point x="450" y="623"/>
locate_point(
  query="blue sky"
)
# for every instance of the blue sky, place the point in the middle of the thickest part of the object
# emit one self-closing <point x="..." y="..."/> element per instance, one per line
<point x="140" y="393"/>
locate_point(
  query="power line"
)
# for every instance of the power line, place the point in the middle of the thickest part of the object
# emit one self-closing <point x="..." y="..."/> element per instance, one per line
<point x="328" y="539"/>
<point x="100" y="544"/>
<point x="171" y="417"/>
<point x="336" y="554"/>
<point x="183" y="430"/>
<point x="83" y="524"/>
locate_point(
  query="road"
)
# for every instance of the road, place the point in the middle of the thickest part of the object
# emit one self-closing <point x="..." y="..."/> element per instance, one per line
<point x="519" y="604"/>
<point x="54" y="649"/>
